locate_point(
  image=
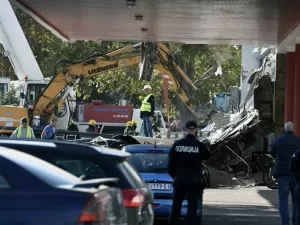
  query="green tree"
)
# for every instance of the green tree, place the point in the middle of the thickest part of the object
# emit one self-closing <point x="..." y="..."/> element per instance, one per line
<point x="10" y="98"/>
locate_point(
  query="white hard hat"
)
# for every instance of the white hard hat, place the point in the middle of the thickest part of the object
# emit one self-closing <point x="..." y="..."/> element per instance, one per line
<point x="147" y="86"/>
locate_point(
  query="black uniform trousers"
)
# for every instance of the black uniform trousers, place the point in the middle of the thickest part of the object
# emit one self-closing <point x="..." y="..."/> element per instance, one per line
<point x="297" y="193"/>
<point x="194" y="196"/>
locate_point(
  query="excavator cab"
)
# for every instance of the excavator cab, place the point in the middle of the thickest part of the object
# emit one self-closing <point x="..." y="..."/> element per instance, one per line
<point x="4" y="85"/>
<point x="29" y="91"/>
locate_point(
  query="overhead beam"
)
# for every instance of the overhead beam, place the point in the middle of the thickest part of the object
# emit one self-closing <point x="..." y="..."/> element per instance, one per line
<point x="40" y="19"/>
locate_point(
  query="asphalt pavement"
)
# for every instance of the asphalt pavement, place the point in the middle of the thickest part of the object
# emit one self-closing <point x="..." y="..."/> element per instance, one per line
<point x="239" y="206"/>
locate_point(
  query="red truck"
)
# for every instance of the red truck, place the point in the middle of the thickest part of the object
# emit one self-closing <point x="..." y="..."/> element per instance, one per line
<point x="105" y="115"/>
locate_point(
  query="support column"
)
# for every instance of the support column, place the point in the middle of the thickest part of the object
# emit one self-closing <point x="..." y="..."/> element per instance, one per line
<point x="289" y="86"/>
<point x="279" y="95"/>
<point x="297" y="91"/>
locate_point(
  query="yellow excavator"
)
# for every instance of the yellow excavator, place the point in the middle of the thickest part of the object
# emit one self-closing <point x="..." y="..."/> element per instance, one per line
<point x="51" y="101"/>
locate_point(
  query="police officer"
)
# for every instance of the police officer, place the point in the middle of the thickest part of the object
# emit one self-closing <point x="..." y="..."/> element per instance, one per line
<point x="185" y="167"/>
<point x="295" y="169"/>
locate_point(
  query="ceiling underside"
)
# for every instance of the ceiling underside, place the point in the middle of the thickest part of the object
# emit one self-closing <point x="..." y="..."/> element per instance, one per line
<point x="263" y="22"/>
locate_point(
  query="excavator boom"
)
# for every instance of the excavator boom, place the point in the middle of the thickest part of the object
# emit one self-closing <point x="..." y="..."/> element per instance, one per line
<point x="58" y="86"/>
<point x="16" y="45"/>
<point x="52" y="98"/>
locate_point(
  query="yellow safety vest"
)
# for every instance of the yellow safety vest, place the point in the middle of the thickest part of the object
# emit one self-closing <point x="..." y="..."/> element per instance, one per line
<point x="146" y="106"/>
<point x="19" y="134"/>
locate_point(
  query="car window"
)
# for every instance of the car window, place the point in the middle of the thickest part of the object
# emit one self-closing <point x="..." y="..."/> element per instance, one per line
<point x="149" y="162"/>
<point x="44" y="171"/>
<point x="3" y="183"/>
<point x="80" y="167"/>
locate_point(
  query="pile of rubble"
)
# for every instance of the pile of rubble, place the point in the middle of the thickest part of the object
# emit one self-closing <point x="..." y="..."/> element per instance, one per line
<point x="251" y="123"/>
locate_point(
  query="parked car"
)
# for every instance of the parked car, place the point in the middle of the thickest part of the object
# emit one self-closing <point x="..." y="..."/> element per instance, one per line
<point x="89" y="162"/>
<point x="151" y="161"/>
<point x="35" y="192"/>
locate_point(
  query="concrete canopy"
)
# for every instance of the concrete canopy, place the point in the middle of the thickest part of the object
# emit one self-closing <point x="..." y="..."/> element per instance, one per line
<point x="259" y="22"/>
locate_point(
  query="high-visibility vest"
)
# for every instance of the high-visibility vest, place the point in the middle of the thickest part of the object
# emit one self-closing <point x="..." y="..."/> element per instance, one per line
<point x="19" y="134"/>
<point x="146" y="106"/>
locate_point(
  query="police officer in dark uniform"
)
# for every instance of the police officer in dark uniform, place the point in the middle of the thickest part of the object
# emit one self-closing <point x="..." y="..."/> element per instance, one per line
<point x="295" y="168"/>
<point x="185" y="167"/>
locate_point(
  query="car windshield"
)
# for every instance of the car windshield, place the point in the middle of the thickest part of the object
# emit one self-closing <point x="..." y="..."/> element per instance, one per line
<point x="149" y="162"/>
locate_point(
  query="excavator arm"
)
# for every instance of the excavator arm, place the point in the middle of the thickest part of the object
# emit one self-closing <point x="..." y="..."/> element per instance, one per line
<point x="52" y="98"/>
<point x="174" y="74"/>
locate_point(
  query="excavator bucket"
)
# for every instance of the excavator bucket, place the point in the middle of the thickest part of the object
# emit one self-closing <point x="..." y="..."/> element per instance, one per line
<point x="148" y="56"/>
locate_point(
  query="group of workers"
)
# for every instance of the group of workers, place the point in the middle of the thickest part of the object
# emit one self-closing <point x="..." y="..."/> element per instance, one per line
<point x="24" y="131"/>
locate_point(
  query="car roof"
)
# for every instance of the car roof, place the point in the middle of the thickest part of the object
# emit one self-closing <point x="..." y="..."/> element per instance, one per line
<point x="110" y="151"/>
<point x="68" y="146"/>
<point x="37" y="167"/>
<point x="145" y="148"/>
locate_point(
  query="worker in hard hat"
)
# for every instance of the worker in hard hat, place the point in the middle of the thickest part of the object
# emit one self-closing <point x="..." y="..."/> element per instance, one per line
<point x="91" y="127"/>
<point x="24" y="131"/>
<point x="130" y="127"/>
<point x="147" y="111"/>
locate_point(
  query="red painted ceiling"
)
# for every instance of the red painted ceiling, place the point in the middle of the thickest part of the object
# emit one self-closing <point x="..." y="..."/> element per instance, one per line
<point x="189" y="21"/>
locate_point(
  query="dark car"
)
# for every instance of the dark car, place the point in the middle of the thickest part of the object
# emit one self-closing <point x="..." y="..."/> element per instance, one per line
<point x="35" y="192"/>
<point x="152" y="164"/>
<point x="89" y="162"/>
<point x="151" y="161"/>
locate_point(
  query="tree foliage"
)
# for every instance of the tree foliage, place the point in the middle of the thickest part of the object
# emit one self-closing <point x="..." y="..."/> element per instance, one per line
<point x="124" y="83"/>
<point x="10" y="98"/>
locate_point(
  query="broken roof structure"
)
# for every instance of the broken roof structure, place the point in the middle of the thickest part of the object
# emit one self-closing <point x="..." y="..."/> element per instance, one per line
<point x="252" y="122"/>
